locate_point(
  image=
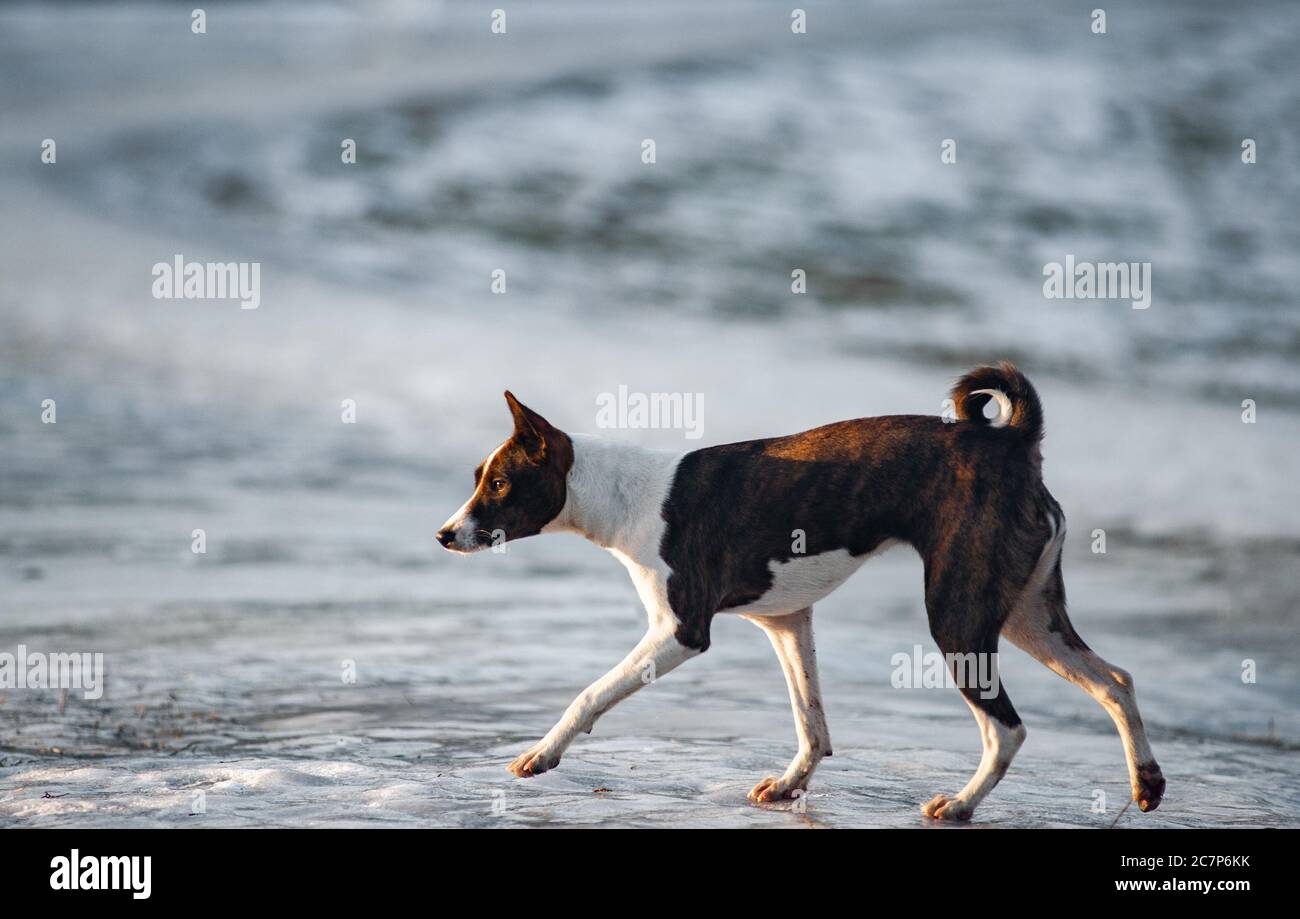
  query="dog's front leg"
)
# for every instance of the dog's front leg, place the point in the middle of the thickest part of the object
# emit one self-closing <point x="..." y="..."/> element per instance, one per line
<point x="657" y="653"/>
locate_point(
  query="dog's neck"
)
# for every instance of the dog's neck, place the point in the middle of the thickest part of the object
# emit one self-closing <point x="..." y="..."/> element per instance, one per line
<point x="615" y="493"/>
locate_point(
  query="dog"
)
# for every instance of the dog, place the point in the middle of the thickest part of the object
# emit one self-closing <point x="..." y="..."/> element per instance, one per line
<point x="709" y="531"/>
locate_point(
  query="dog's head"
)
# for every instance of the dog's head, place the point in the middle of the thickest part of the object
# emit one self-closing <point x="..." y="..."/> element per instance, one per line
<point x="518" y="489"/>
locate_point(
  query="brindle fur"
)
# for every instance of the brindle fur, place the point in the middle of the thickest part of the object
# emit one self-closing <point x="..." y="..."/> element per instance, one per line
<point x="967" y="495"/>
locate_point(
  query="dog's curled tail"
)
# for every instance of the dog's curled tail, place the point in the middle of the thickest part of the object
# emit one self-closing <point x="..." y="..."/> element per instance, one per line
<point x="1018" y="405"/>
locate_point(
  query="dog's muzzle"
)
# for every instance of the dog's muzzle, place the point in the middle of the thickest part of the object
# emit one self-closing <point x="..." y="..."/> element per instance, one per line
<point x="462" y="534"/>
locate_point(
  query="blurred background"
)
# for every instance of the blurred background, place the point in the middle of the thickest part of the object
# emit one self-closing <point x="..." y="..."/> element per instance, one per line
<point x="476" y="152"/>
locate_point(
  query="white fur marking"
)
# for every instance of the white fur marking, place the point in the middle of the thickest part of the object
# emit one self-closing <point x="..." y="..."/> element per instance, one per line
<point x="802" y="581"/>
<point x="463" y="523"/>
<point x="1004" y="406"/>
<point x="614" y="496"/>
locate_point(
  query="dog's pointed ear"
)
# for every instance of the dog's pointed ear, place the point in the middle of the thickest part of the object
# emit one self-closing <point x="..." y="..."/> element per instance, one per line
<point x="532" y="431"/>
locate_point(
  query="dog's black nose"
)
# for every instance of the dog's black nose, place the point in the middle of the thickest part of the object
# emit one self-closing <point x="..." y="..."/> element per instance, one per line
<point x="446" y="537"/>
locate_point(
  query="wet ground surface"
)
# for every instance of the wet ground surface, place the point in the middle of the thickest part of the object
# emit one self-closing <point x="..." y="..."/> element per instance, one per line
<point x="239" y="714"/>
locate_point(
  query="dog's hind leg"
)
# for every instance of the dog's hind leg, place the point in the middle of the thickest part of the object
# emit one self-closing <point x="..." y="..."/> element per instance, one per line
<point x="792" y="639"/>
<point x="1038" y="624"/>
<point x="968" y="637"/>
<point x="1001" y="732"/>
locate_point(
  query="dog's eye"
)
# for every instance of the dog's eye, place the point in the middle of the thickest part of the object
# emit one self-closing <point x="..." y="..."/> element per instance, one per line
<point x="498" y="484"/>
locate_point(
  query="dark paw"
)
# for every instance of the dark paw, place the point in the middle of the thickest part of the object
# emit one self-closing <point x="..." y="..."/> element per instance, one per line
<point x="1151" y="787"/>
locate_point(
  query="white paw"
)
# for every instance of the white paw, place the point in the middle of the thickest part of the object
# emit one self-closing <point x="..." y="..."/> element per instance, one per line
<point x="536" y="760"/>
<point x="942" y="807"/>
<point x="774" y="789"/>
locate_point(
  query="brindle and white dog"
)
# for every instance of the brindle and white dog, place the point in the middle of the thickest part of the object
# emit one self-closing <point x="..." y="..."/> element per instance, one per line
<point x="709" y="531"/>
